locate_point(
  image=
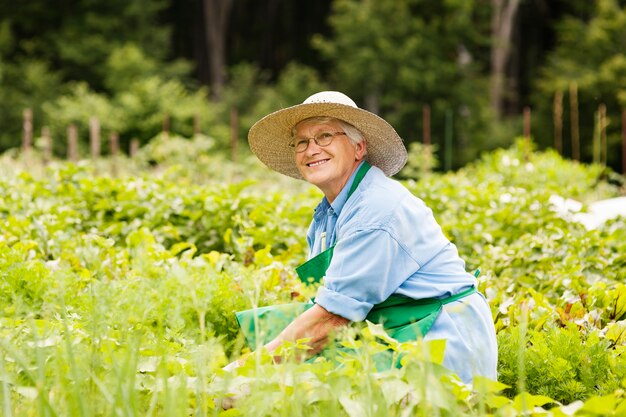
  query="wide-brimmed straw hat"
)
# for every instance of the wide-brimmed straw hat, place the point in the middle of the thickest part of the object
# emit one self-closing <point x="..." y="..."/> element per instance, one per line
<point x="269" y="138"/>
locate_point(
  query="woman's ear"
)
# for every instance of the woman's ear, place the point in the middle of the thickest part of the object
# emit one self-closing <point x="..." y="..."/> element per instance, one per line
<point x="360" y="150"/>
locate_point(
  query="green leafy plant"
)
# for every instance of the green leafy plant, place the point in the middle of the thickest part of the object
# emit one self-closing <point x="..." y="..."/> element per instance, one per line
<point x="119" y="292"/>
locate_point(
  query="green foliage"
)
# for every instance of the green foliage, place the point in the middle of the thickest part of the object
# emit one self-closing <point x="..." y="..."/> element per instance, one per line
<point x="77" y="108"/>
<point x="44" y="47"/>
<point x="226" y="218"/>
<point x="127" y="65"/>
<point x="421" y="161"/>
<point x="141" y="96"/>
<point x="81" y="36"/>
<point x="143" y="93"/>
<point x="559" y="363"/>
<point x="6" y="37"/>
<point x="24" y="83"/>
<point x="393" y="57"/>
<point x="167" y="151"/>
<point x="591" y="55"/>
<point x="120" y="292"/>
<point x="108" y="72"/>
<point x="146" y="102"/>
<point x="251" y="93"/>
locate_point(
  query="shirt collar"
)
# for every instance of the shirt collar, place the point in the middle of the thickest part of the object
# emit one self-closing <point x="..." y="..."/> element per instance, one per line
<point x="341" y="199"/>
<point x="321" y="209"/>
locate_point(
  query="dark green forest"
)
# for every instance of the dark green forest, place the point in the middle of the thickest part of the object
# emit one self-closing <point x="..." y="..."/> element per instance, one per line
<point x="455" y="73"/>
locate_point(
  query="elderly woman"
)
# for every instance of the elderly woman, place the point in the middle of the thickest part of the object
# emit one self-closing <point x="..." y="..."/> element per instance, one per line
<point x="377" y="248"/>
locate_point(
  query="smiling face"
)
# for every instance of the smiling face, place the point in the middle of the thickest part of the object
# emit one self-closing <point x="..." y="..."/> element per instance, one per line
<point x="328" y="167"/>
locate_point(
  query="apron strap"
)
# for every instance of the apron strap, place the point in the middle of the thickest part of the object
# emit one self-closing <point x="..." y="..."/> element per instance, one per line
<point x="360" y="174"/>
<point x="313" y="270"/>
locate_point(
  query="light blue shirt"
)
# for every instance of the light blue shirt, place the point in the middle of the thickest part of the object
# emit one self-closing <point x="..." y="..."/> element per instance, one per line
<point x="388" y="242"/>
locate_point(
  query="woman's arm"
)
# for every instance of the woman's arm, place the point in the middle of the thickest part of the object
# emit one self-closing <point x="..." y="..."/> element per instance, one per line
<point x="316" y="323"/>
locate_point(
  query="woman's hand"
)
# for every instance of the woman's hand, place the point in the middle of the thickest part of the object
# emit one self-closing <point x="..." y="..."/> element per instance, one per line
<point x="316" y="324"/>
<point x="234" y="365"/>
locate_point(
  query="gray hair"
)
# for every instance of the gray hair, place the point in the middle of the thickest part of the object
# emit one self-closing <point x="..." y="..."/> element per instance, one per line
<point x="352" y="132"/>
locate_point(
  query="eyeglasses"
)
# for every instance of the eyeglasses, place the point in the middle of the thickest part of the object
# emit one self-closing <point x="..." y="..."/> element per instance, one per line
<point x="321" y="139"/>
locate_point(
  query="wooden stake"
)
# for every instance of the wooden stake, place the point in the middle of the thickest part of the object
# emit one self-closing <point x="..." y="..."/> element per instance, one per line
<point x="603" y="124"/>
<point x="196" y="124"/>
<point x="624" y="141"/>
<point x="558" y="121"/>
<point x="426" y="124"/>
<point x="234" y="134"/>
<point x="72" y="143"/>
<point x="595" y="141"/>
<point x="134" y="147"/>
<point x="527" y="122"/>
<point x="448" y="138"/>
<point x="94" y="137"/>
<point x="573" y="109"/>
<point x="114" y="147"/>
<point x="166" y="125"/>
<point x="114" y="144"/>
<point x="27" y="136"/>
<point x="47" y="145"/>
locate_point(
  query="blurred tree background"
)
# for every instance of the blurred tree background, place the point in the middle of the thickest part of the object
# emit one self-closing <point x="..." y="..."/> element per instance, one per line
<point x="475" y="64"/>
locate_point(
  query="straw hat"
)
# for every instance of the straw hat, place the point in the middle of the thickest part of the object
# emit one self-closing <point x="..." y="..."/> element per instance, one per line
<point x="269" y="137"/>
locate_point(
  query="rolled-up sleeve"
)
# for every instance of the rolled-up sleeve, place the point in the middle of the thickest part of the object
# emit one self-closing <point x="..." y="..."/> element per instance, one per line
<point x="367" y="267"/>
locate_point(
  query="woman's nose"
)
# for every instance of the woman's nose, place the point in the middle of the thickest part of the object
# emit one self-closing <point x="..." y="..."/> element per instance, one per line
<point x="313" y="147"/>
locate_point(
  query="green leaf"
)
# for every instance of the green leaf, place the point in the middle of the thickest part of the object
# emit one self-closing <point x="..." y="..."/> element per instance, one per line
<point x="602" y="406"/>
<point x="354" y="408"/>
<point x="616" y="332"/>
<point x="497" y="401"/>
<point x="485" y="385"/>
<point x="619" y="302"/>
<point x="231" y="412"/>
<point x="378" y="331"/>
<point x="567" y="410"/>
<point x="526" y="401"/>
<point x="394" y="390"/>
<point x="436" y="350"/>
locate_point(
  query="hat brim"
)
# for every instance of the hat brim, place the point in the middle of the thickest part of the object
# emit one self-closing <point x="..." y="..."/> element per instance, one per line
<point x="269" y="137"/>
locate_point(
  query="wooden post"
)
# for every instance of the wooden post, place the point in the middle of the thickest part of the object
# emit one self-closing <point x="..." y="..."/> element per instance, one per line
<point x="234" y="134"/>
<point x="72" y="143"/>
<point x="448" y="137"/>
<point x="573" y="108"/>
<point x="603" y="124"/>
<point x="527" y="130"/>
<point x="166" y="125"/>
<point x="624" y="141"/>
<point x="134" y="147"/>
<point x="558" y="121"/>
<point x="114" y="148"/>
<point x="196" y="124"/>
<point x="114" y="144"/>
<point x="47" y="145"/>
<point x="426" y="124"/>
<point x="94" y="137"/>
<point x="595" y="141"/>
<point x="527" y="122"/>
<point x="27" y="137"/>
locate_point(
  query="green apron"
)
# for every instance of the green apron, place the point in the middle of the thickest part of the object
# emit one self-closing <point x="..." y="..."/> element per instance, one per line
<point x="403" y="318"/>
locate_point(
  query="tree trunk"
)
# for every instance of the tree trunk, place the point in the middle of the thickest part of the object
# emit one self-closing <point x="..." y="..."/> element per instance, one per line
<point x="216" y="13"/>
<point x="372" y="100"/>
<point x="502" y="21"/>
